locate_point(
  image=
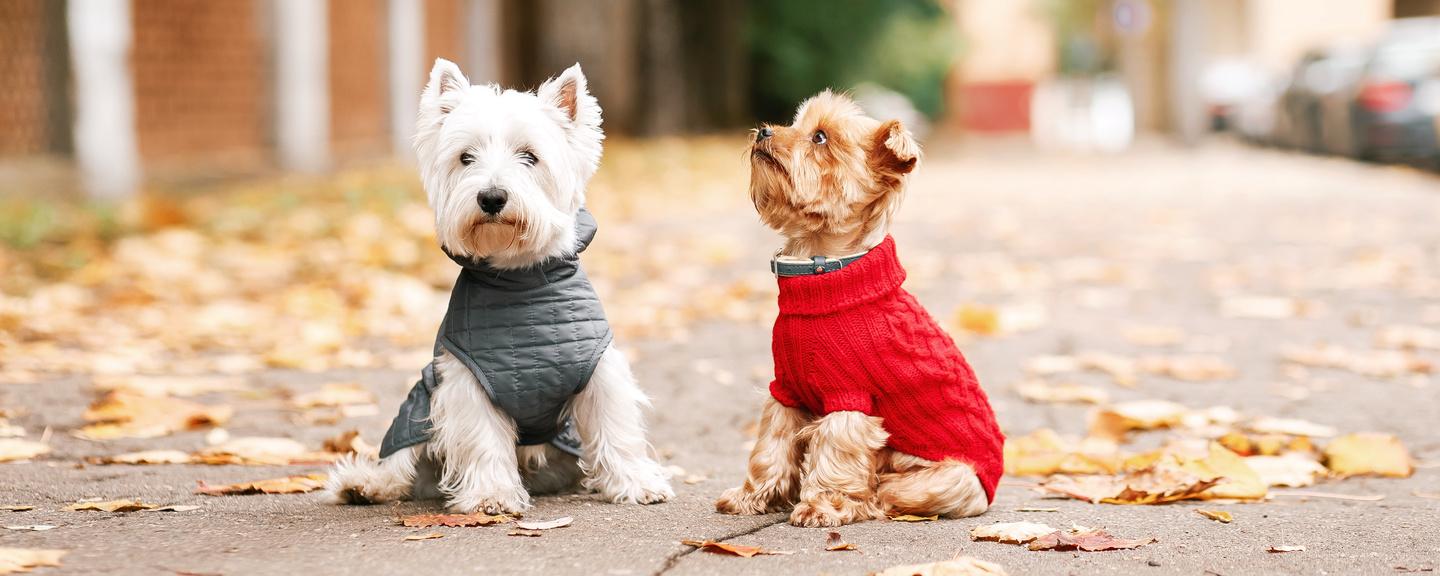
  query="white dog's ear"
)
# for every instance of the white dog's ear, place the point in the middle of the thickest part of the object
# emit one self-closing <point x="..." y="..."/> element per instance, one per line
<point x="569" y="93"/>
<point x="446" y="84"/>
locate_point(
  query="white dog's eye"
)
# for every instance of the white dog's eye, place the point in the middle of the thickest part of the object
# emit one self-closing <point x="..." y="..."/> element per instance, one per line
<point x="528" y="157"/>
<point x="467" y="158"/>
<point x="819" y="137"/>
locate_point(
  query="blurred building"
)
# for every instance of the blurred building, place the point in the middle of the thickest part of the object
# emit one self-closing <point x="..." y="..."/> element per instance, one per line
<point x="179" y="88"/>
<point x="1160" y="49"/>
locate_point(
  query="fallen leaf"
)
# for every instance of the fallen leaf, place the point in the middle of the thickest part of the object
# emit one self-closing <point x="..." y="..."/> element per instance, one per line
<point x="144" y="457"/>
<point x="695" y="478"/>
<point x="1010" y="532"/>
<point x="424" y="536"/>
<point x="174" y="508"/>
<point x="1170" y="477"/>
<point x="1037" y="509"/>
<point x="112" y="506"/>
<point x="1189" y="368"/>
<point x="1292" y="470"/>
<point x="17" y="508"/>
<point x="530" y="533"/>
<point x="1369" y="453"/>
<point x="1219" y="515"/>
<point x="31" y="528"/>
<point x="454" y="520"/>
<point x="1291" y="426"/>
<point x="1375" y="363"/>
<point x="18" y="560"/>
<point x="1275" y="549"/>
<point x="835" y="544"/>
<point x="557" y="523"/>
<point x="913" y="518"/>
<point x="1420" y="494"/>
<point x="1000" y="321"/>
<point x="121" y="414"/>
<point x="1087" y="540"/>
<point x="16" y="449"/>
<point x="351" y="443"/>
<point x="1040" y="392"/>
<point x="1268" y="307"/>
<point x="732" y="549"/>
<point x="262" y="451"/>
<point x="286" y="485"/>
<point x="1115" y="422"/>
<point x="1044" y="452"/>
<point x="961" y="566"/>
<point x="1409" y="337"/>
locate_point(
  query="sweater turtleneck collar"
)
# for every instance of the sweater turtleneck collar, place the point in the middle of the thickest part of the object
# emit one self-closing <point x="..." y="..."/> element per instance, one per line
<point x="547" y="272"/>
<point x="873" y="276"/>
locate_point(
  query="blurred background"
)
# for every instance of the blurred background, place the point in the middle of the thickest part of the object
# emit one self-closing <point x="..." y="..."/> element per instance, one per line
<point x="103" y="96"/>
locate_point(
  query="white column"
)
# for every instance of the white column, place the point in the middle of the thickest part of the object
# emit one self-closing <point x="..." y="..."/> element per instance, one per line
<point x="106" y="146"/>
<point x="407" y="70"/>
<point x="302" y="84"/>
<point x="482" y="40"/>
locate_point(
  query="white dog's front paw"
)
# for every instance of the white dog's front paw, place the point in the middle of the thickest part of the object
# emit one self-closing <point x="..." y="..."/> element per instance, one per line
<point x="498" y="502"/>
<point x="647" y="485"/>
<point x="357" y="481"/>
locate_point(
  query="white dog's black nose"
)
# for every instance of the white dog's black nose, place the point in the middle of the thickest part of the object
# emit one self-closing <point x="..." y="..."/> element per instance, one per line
<point x="492" y="200"/>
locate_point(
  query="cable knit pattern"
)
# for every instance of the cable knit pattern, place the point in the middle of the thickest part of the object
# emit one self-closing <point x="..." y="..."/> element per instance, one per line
<point x="855" y="340"/>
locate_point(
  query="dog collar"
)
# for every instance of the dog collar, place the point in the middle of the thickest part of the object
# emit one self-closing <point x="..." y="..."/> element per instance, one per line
<point x="786" y="266"/>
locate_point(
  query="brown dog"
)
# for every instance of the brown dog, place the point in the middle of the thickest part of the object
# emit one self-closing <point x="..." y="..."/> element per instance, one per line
<point x="873" y="409"/>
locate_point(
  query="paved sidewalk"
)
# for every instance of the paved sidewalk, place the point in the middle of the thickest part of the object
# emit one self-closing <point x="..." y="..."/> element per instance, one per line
<point x="1156" y="236"/>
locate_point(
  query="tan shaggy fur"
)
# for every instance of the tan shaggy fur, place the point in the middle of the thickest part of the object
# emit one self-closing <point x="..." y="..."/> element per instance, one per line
<point x="831" y="183"/>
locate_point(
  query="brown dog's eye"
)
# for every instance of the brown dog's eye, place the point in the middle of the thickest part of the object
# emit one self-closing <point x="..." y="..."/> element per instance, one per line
<point x="819" y="137"/>
<point x="467" y="158"/>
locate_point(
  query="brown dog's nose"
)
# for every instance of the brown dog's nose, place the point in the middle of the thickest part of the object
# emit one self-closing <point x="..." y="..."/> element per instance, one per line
<point x="766" y="132"/>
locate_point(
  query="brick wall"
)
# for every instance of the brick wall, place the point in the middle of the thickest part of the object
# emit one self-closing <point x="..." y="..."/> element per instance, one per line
<point x="358" y="123"/>
<point x="443" y="25"/>
<point x="23" y="109"/>
<point x="198" y="80"/>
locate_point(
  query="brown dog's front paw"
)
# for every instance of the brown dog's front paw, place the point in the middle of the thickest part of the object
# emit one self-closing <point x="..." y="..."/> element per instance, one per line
<point x="812" y="517"/>
<point x="738" y="501"/>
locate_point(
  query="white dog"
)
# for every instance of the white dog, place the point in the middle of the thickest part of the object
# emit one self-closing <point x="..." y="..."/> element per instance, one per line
<point x="524" y="360"/>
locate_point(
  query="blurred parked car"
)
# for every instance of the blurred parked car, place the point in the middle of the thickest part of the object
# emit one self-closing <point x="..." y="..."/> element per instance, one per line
<point x="1397" y="97"/>
<point x="1319" y="90"/>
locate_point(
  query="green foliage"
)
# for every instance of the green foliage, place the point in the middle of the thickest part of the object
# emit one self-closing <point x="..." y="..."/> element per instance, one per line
<point x="25" y="224"/>
<point x="800" y="47"/>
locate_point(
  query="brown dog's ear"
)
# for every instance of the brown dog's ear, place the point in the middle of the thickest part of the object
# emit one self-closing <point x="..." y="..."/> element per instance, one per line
<point x="894" y="150"/>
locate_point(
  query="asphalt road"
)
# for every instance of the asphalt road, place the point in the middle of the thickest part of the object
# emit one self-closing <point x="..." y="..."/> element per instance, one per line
<point x="1155" y="236"/>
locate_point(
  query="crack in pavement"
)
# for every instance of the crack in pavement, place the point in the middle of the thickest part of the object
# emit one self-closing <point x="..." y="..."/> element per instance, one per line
<point x="673" y="559"/>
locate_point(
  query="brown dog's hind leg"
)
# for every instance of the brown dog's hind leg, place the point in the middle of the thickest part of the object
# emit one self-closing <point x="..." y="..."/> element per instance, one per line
<point x="840" y="481"/>
<point x="774" y="479"/>
<point x="914" y="485"/>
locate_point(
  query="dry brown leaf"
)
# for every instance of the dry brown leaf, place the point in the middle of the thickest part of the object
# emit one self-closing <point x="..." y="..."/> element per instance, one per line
<point x="112" y="506"/>
<point x="732" y="549"/>
<point x="1039" y="391"/>
<point x="1218" y="515"/>
<point x="1087" y="540"/>
<point x="174" y="508"/>
<point x="1117" y="421"/>
<point x="912" y="518"/>
<point x="1277" y="549"/>
<point x="454" y="520"/>
<point x="999" y="321"/>
<point x="1291" y="426"/>
<point x="530" y="533"/>
<point x="835" y="544"/>
<point x="286" y="485"/>
<point x="557" y="523"/>
<point x="1369" y="453"/>
<point x="17" y="449"/>
<point x="424" y="536"/>
<point x="351" y="443"/>
<point x="21" y="560"/>
<point x="1409" y="337"/>
<point x="262" y="451"/>
<point x="144" y="457"/>
<point x="1168" y="478"/>
<point x="1375" y="363"/>
<point x="17" y="508"/>
<point x="122" y="414"/>
<point x="1010" y="532"/>
<point x="961" y="566"/>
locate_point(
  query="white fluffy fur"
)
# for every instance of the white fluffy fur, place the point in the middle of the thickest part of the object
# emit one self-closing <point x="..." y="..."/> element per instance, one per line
<point x="475" y="461"/>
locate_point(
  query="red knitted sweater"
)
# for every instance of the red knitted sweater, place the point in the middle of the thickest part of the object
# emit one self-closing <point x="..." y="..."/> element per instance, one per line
<point x="853" y="339"/>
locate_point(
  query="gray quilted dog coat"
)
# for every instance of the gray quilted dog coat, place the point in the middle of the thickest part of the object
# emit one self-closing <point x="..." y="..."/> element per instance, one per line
<point x="531" y="336"/>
